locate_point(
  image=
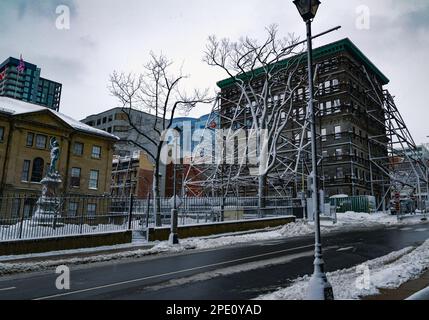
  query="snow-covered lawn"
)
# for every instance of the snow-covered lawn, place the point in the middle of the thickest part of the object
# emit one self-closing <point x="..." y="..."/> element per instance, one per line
<point x="32" y="230"/>
<point x="387" y="272"/>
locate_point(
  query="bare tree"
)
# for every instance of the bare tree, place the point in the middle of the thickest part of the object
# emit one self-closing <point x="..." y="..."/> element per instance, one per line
<point x="264" y="79"/>
<point x="158" y="91"/>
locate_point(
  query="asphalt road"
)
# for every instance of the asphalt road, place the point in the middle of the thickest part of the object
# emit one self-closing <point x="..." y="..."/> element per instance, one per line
<point x="228" y="273"/>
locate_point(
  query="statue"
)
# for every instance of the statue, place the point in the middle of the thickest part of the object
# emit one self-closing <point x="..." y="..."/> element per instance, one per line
<point x="55" y="155"/>
<point x="49" y="204"/>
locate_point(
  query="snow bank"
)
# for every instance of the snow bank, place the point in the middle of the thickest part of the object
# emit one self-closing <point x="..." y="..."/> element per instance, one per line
<point x="11" y="268"/>
<point x="387" y="272"/>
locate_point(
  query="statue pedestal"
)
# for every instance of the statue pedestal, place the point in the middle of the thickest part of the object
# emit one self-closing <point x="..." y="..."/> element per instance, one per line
<point x="49" y="205"/>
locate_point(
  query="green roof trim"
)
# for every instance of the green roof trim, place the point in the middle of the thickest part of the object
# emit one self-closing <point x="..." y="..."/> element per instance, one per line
<point x="332" y="48"/>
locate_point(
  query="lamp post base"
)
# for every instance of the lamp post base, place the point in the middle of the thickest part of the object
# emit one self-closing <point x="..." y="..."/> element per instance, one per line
<point x="173" y="238"/>
<point x="319" y="288"/>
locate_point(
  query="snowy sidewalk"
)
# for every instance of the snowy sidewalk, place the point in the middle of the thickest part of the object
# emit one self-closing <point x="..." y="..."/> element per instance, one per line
<point x="404" y="291"/>
<point x="391" y="274"/>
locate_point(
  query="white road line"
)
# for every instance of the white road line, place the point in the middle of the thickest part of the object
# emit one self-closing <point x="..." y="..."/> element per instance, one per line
<point x="345" y="249"/>
<point x="169" y="273"/>
<point x="8" y="289"/>
<point x="422" y="229"/>
<point x="406" y="229"/>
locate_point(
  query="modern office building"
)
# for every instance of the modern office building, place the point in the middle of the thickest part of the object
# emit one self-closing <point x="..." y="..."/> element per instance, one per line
<point x="116" y="122"/>
<point x="22" y="80"/>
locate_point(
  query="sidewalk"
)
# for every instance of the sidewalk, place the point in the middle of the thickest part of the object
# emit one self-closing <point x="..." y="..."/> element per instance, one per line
<point x="404" y="291"/>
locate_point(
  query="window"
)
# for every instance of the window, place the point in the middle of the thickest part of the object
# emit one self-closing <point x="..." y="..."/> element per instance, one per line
<point x="301" y="114"/>
<point x="91" y="210"/>
<point x="75" y="177"/>
<point x="16" y="207"/>
<point x="120" y="116"/>
<point x="300" y="93"/>
<point x="322" y="108"/>
<point x="325" y="154"/>
<point x="340" y="173"/>
<point x="323" y="135"/>
<point x="104" y="120"/>
<point x="328" y="105"/>
<point x="26" y="171"/>
<point x="121" y="128"/>
<point x="96" y="152"/>
<point x="72" y="212"/>
<point x="29" y="207"/>
<point x="1" y="134"/>
<point x="339" y="154"/>
<point x="337" y="132"/>
<point x="37" y="172"/>
<point x="297" y="139"/>
<point x="337" y="104"/>
<point x="30" y="139"/>
<point x="327" y="86"/>
<point x="93" y="180"/>
<point x="78" y="149"/>
<point x="41" y="141"/>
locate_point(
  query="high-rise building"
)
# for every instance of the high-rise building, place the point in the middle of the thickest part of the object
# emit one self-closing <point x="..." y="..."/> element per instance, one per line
<point x="22" y="81"/>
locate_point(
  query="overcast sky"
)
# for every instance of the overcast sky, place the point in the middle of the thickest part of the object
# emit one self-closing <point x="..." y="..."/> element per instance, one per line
<point x="107" y="35"/>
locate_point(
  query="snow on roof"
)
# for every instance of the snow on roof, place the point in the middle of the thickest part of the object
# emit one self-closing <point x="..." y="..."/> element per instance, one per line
<point x="17" y="107"/>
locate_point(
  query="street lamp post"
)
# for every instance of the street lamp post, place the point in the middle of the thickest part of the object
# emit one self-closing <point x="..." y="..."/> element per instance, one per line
<point x="319" y="287"/>
<point x="174" y="238"/>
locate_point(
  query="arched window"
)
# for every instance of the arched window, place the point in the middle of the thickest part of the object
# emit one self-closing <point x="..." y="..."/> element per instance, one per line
<point x="37" y="172"/>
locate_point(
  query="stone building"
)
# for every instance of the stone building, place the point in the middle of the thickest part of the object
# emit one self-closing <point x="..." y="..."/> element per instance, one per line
<point x="85" y="162"/>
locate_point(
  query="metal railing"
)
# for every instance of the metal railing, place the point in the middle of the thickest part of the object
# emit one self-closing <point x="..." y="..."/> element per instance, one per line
<point x="22" y="217"/>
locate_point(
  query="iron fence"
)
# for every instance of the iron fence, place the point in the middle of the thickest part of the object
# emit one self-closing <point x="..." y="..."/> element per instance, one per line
<point x="22" y="217"/>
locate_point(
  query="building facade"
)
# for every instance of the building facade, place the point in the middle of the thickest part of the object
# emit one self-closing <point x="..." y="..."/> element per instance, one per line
<point x="348" y="117"/>
<point x="132" y="175"/>
<point x="116" y="122"/>
<point x="85" y="162"/>
<point x="22" y="80"/>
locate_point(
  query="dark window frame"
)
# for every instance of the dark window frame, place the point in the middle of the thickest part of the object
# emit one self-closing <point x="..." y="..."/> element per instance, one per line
<point x="37" y="170"/>
<point x="75" y="180"/>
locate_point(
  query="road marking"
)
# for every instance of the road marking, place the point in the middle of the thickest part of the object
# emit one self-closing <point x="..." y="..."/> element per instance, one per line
<point x="169" y="273"/>
<point x="406" y="229"/>
<point x="422" y="229"/>
<point x="8" y="289"/>
<point x="345" y="249"/>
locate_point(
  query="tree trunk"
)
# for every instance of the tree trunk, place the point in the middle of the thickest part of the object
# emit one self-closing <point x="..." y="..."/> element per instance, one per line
<point x="261" y="194"/>
<point x="156" y="199"/>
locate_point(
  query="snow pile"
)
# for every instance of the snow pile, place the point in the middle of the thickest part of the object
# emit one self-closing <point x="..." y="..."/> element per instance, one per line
<point x="161" y="247"/>
<point x="365" y="219"/>
<point x="387" y="272"/>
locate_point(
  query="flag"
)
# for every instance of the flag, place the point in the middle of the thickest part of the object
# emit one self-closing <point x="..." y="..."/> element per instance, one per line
<point x="21" y="66"/>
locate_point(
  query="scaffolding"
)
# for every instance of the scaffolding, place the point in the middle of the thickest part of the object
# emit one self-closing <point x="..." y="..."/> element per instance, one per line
<point x="219" y="168"/>
<point x="394" y="162"/>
